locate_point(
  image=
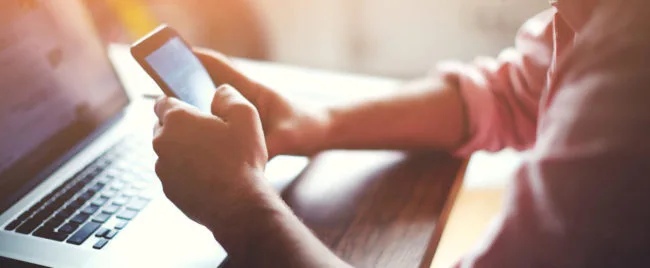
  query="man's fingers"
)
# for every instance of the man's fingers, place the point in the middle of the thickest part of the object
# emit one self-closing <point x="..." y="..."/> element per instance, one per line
<point x="220" y="67"/>
<point x="163" y="105"/>
<point x="231" y="106"/>
<point x="166" y="104"/>
<point x="223" y="72"/>
<point x="156" y="129"/>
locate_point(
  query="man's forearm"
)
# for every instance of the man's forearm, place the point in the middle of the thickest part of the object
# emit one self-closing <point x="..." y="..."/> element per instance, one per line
<point x="264" y="232"/>
<point x="425" y="114"/>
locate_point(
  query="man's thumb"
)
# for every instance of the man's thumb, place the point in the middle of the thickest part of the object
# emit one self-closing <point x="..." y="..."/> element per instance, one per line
<point x="222" y="71"/>
<point x="232" y="106"/>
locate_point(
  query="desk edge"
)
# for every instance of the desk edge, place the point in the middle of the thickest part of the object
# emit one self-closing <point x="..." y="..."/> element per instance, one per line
<point x="434" y="241"/>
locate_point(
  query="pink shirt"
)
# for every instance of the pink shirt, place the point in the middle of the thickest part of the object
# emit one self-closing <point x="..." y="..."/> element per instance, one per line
<point x="575" y="93"/>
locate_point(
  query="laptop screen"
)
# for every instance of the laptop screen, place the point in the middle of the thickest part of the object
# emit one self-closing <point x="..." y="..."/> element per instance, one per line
<point x="57" y="86"/>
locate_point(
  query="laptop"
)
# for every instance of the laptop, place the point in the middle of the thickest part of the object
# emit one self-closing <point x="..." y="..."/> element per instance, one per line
<point x="77" y="186"/>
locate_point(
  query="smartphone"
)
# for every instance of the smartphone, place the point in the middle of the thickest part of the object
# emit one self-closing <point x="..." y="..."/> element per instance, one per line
<point x="169" y="60"/>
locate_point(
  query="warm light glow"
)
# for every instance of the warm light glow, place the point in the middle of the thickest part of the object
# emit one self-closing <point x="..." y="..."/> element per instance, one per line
<point x="135" y="17"/>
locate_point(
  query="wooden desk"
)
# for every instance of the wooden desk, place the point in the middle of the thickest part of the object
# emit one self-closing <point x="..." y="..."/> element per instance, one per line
<point x="476" y="198"/>
<point x="373" y="209"/>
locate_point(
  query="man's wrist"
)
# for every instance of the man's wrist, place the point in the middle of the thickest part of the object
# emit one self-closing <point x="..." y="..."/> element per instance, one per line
<point x="237" y="226"/>
<point x="330" y="128"/>
<point x="320" y="137"/>
<point x="309" y="132"/>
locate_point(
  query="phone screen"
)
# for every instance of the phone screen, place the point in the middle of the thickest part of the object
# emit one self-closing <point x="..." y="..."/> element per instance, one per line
<point x="183" y="73"/>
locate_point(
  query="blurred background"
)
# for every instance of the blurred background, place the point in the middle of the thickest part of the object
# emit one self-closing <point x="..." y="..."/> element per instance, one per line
<point x="395" y="38"/>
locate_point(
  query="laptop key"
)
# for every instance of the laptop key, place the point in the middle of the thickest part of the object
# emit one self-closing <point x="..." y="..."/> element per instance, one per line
<point x="11" y="226"/>
<point x="105" y="163"/>
<point x="80" y="236"/>
<point x="74" y="205"/>
<point x="111" y="234"/>
<point x="68" y="228"/>
<point x="100" y="201"/>
<point x="127" y="214"/>
<point x="29" y="226"/>
<point x="102" y="217"/>
<point x="102" y="232"/>
<point x="59" y="201"/>
<point x="37" y="206"/>
<point x="43" y="229"/>
<point x="48" y="233"/>
<point x="111" y="209"/>
<point x="109" y="193"/>
<point x="80" y="218"/>
<point x="97" y="187"/>
<point x="139" y="185"/>
<point x="64" y="214"/>
<point x="121" y="201"/>
<point x="118" y="185"/>
<point x="65" y="197"/>
<point x="104" y="179"/>
<point x="90" y="209"/>
<point x="51" y="207"/>
<point x="111" y="174"/>
<point x="137" y="203"/>
<point x="131" y="192"/>
<point x="41" y="215"/>
<point x="92" y="174"/>
<point x="76" y="188"/>
<point x="54" y="222"/>
<point x="101" y="243"/>
<point x="88" y="195"/>
<point x="24" y="216"/>
<point x="121" y="224"/>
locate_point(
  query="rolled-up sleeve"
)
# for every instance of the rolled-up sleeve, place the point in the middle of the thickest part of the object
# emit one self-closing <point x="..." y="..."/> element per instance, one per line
<point x="502" y="94"/>
<point x="581" y="198"/>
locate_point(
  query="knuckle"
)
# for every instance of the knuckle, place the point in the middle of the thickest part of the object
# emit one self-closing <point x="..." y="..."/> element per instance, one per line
<point x="159" y="169"/>
<point x="244" y="110"/>
<point x="170" y="193"/>
<point x="177" y="115"/>
<point x="158" y="144"/>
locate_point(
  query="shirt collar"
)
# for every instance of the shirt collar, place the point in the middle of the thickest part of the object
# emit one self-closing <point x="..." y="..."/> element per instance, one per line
<point x="575" y="13"/>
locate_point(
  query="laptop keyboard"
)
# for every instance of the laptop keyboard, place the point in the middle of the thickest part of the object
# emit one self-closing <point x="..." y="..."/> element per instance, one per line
<point x="101" y="199"/>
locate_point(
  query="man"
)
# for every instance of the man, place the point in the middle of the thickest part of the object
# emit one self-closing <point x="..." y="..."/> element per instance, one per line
<point x="573" y="92"/>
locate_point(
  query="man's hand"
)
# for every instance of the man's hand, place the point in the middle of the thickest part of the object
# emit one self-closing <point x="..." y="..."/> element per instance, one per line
<point x="426" y="114"/>
<point x="211" y="166"/>
<point x="288" y="128"/>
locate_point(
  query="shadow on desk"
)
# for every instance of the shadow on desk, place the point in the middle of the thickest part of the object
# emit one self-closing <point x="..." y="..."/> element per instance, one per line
<point x="374" y="209"/>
